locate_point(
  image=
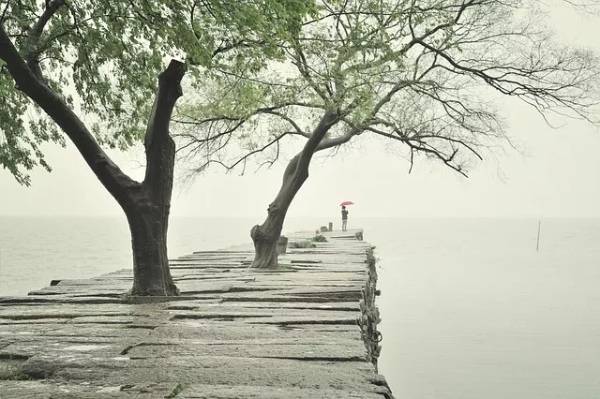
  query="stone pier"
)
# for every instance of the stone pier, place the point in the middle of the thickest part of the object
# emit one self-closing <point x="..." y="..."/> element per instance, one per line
<point x="306" y="330"/>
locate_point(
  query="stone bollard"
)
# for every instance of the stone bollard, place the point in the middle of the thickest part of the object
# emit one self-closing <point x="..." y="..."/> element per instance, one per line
<point x="282" y="245"/>
<point x="324" y="229"/>
<point x="330" y="226"/>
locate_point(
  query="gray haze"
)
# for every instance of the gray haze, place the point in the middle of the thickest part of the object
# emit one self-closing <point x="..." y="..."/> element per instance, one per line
<point x="553" y="174"/>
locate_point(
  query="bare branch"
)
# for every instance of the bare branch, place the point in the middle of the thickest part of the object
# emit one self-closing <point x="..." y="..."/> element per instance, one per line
<point x="33" y="39"/>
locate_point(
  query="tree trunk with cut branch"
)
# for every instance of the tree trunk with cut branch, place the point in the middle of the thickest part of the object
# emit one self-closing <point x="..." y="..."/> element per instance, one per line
<point x="149" y="207"/>
<point x="266" y="236"/>
<point x="147" y="204"/>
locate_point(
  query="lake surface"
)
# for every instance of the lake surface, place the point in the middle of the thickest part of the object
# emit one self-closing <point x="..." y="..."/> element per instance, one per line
<point x="470" y="309"/>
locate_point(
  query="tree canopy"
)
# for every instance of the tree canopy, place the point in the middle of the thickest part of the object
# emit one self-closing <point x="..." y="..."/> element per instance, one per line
<point x="102" y="59"/>
<point x="426" y="74"/>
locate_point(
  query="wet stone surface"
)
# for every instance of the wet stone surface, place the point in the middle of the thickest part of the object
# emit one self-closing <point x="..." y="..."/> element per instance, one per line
<point x="234" y="333"/>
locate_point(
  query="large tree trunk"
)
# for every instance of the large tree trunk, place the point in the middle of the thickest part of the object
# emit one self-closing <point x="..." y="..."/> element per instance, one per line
<point x="149" y="206"/>
<point x="151" y="273"/>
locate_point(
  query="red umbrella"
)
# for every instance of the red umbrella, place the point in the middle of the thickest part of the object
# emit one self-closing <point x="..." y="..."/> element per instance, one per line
<point x="347" y="203"/>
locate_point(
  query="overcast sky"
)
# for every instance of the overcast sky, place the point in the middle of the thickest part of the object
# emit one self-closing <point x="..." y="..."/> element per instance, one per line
<point x="555" y="174"/>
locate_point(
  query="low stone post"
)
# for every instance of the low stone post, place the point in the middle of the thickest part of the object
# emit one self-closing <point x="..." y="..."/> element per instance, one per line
<point x="330" y="226"/>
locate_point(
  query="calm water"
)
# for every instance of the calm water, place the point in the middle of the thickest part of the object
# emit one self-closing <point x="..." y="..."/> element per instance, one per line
<point x="470" y="309"/>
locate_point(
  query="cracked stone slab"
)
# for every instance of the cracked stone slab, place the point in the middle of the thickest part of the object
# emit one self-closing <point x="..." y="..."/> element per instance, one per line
<point x="266" y="392"/>
<point x="242" y="331"/>
<point x="58" y="348"/>
<point x="305" y="306"/>
<point x="16" y="332"/>
<point x="244" y="312"/>
<point x="334" y="351"/>
<point x="63" y="390"/>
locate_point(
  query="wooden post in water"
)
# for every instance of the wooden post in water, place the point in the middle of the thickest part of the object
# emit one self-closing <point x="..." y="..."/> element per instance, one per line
<point x="537" y="247"/>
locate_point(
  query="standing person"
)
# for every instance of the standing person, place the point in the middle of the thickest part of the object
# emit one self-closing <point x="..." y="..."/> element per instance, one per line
<point x="344" y="218"/>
